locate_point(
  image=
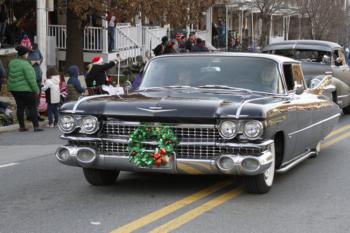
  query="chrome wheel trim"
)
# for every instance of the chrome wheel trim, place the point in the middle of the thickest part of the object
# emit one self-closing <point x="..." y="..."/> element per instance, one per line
<point x="270" y="173"/>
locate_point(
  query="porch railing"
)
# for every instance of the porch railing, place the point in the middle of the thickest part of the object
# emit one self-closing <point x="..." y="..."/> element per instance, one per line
<point x="125" y="44"/>
<point x="152" y="36"/>
<point x="129" y="40"/>
<point x="92" y="40"/>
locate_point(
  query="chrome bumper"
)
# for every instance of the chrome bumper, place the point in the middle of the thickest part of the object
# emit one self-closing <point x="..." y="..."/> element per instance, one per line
<point x="223" y="164"/>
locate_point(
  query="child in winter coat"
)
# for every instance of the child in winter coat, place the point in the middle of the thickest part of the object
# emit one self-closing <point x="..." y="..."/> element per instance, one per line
<point x="52" y="92"/>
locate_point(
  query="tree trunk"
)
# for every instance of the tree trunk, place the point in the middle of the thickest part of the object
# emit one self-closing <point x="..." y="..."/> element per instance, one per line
<point x="75" y="33"/>
<point x="265" y="32"/>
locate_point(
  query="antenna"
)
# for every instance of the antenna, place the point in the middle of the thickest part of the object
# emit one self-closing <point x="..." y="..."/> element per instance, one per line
<point x="118" y="77"/>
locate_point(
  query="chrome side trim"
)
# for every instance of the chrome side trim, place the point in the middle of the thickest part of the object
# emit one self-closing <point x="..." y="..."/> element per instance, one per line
<point x="239" y="110"/>
<point x="315" y="124"/>
<point x="83" y="139"/>
<point x="84" y="99"/>
<point x="295" y="162"/>
<point x="254" y="145"/>
<point x="71" y="111"/>
<point x="343" y="96"/>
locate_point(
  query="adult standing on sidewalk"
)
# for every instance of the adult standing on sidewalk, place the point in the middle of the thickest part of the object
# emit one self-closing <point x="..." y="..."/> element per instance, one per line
<point x="36" y="58"/>
<point x="112" y="20"/>
<point x="22" y="84"/>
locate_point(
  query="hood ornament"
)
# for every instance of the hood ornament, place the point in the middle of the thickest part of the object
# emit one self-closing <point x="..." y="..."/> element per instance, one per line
<point x="156" y="109"/>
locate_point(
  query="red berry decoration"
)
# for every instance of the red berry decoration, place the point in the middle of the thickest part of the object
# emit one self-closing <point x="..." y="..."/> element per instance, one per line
<point x="156" y="156"/>
<point x="158" y="162"/>
<point x="162" y="151"/>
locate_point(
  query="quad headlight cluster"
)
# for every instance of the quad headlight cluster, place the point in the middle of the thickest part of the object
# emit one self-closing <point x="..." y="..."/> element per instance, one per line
<point x="86" y="124"/>
<point x="250" y="129"/>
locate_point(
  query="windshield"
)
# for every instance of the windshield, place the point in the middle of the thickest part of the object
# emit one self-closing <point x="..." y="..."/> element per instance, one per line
<point x="255" y="74"/>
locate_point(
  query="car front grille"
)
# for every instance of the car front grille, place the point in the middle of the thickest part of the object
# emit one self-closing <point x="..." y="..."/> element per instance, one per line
<point x="208" y="152"/>
<point x="196" y="141"/>
<point x="184" y="133"/>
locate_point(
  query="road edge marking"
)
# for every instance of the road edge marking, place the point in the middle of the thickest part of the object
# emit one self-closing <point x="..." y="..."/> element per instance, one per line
<point x="196" y="212"/>
<point x="8" y="165"/>
<point x="153" y="216"/>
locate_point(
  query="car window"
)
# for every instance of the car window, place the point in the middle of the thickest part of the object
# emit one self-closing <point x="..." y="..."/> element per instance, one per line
<point x="305" y="55"/>
<point x="339" y="57"/>
<point x="256" y="74"/>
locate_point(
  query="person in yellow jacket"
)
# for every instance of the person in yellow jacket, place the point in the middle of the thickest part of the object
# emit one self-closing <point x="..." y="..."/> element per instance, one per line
<point x="22" y="84"/>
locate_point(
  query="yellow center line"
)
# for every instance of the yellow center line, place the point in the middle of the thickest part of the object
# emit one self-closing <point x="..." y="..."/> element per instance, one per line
<point x="194" y="213"/>
<point x="143" y="221"/>
<point x="335" y="140"/>
<point x="189" y="169"/>
<point x="337" y="131"/>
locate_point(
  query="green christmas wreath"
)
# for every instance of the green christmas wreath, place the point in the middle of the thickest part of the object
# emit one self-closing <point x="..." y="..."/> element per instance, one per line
<point x="145" y="157"/>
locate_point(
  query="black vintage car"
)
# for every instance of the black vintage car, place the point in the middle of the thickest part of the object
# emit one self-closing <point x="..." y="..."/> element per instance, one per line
<point x="235" y="114"/>
<point x="319" y="58"/>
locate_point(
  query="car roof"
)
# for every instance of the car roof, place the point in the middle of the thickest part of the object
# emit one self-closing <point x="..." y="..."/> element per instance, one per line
<point x="276" y="58"/>
<point x="303" y="44"/>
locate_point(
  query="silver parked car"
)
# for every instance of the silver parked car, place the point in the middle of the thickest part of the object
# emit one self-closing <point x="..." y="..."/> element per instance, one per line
<point x="319" y="58"/>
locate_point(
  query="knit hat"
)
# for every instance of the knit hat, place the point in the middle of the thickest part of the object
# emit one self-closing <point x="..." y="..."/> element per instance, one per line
<point x="164" y="39"/>
<point x="26" y="43"/>
<point x="21" y="50"/>
<point x="97" y="60"/>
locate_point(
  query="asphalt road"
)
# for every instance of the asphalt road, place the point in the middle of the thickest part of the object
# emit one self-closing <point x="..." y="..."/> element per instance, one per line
<point x="38" y="194"/>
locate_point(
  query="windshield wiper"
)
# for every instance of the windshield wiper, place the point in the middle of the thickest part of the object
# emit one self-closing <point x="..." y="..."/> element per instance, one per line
<point x="225" y="87"/>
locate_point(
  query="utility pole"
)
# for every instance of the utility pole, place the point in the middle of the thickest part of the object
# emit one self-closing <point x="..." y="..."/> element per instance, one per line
<point x="41" y="31"/>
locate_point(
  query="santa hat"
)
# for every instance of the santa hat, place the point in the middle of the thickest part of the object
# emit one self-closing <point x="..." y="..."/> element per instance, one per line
<point x="97" y="60"/>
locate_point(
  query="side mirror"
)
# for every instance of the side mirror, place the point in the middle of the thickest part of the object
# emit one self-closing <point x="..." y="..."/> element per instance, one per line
<point x="299" y="89"/>
<point x="326" y="60"/>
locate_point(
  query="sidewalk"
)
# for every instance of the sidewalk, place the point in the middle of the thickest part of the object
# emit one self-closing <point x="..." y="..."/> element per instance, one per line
<point x="15" y="127"/>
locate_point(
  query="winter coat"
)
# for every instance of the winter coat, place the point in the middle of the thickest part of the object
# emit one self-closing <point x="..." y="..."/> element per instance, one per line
<point x="21" y="76"/>
<point x="159" y="50"/>
<point x="73" y="80"/>
<point x="52" y="90"/>
<point x="199" y="48"/>
<point x="98" y="74"/>
<point x="36" y="55"/>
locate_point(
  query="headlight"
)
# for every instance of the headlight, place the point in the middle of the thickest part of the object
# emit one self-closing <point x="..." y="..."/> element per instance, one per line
<point x="89" y="125"/>
<point x="253" y="129"/>
<point x="228" y="129"/>
<point x="66" y="123"/>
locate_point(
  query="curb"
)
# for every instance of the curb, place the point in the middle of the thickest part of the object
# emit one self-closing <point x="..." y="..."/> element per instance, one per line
<point x="15" y="127"/>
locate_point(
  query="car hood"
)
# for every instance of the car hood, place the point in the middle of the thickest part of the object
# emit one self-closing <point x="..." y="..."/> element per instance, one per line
<point x="177" y="105"/>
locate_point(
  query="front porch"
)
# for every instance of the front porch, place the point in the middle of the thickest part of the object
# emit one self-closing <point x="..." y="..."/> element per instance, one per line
<point x="130" y="41"/>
